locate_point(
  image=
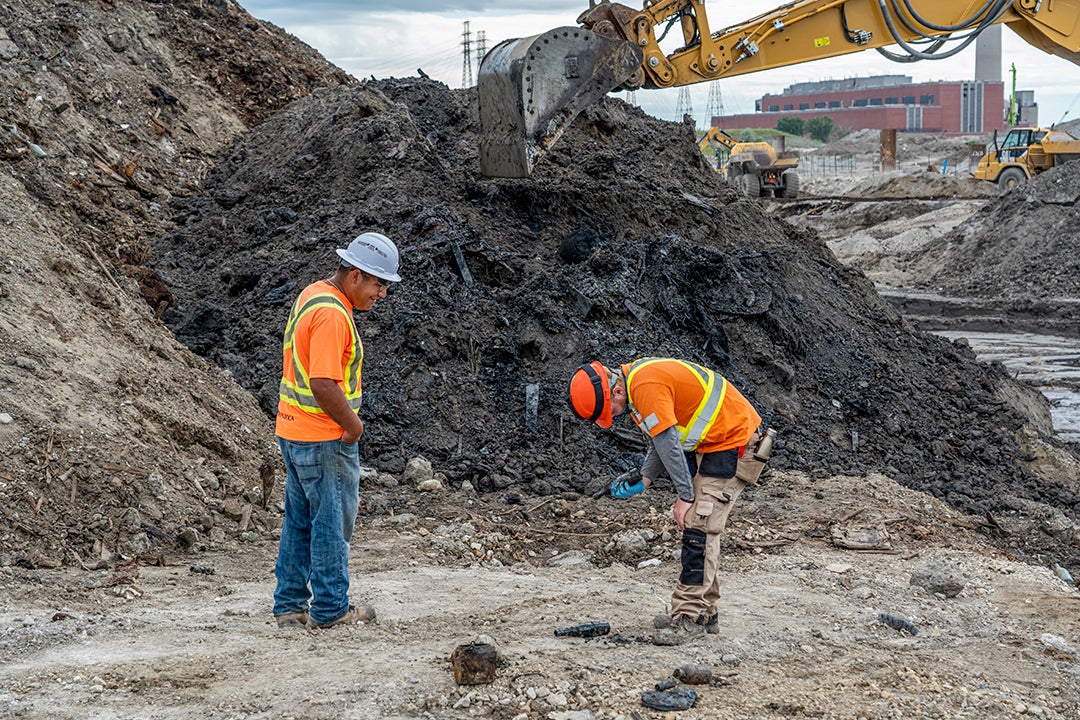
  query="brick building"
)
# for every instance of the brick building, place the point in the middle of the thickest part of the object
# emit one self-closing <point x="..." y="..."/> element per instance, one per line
<point x="884" y="102"/>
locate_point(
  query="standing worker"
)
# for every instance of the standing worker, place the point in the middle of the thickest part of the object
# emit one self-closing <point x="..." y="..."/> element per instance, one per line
<point x="318" y="428"/>
<point x="700" y="426"/>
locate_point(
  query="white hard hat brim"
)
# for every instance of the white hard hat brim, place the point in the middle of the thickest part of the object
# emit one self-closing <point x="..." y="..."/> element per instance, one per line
<point x="359" y="265"/>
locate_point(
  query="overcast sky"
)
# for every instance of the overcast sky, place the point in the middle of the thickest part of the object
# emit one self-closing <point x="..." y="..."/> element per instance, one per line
<point x="365" y="37"/>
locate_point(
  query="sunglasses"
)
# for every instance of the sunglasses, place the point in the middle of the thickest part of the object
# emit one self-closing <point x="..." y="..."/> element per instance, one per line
<point x="384" y="284"/>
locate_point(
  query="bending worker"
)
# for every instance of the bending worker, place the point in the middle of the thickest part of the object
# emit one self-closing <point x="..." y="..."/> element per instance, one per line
<point x="700" y="426"/>
<point x="318" y="429"/>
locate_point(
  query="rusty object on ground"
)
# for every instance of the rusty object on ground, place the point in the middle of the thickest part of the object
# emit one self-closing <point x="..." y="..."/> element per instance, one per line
<point x="693" y="674"/>
<point x="474" y="664"/>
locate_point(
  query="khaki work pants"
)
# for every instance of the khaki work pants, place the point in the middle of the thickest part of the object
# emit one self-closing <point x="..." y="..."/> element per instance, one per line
<point x="698" y="590"/>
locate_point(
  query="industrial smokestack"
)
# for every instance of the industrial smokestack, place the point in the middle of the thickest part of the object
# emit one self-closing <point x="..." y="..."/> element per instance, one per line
<point x="988" y="55"/>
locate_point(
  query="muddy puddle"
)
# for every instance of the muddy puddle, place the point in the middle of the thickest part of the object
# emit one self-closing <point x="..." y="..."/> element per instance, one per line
<point x="1050" y="362"/>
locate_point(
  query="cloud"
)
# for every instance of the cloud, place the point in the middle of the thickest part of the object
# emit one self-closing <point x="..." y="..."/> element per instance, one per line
<point x="367" y="38"/>
<point x="299" y="11"/>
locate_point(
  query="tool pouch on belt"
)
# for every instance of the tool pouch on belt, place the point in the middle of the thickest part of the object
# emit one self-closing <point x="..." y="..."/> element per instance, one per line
<point x="749" y="468"/>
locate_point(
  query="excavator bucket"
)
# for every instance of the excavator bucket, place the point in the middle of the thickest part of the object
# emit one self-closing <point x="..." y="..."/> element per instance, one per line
<point x="532" y="88"/>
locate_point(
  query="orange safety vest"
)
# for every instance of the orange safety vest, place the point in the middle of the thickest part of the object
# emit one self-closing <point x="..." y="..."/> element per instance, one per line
<point x="320" y="341"/>
<point x="710" y="414"/>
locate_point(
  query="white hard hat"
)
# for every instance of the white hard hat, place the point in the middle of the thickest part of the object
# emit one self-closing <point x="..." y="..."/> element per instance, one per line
<point x="373" y="253"/>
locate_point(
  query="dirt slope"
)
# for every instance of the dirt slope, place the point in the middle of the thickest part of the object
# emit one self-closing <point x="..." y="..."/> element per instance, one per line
<point x="114" y="438"/>
<point x="1020" y="247"/>
<point x="624" y="243"/>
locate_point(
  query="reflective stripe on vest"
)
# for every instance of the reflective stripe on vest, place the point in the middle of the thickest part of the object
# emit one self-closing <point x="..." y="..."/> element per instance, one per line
<point x="707" y="411"/>
<point x="298" y="393"/>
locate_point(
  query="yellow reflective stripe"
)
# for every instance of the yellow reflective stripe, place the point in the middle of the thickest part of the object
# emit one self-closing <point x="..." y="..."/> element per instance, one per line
<point x="299" y="394"/>
<point x="707" y="411"/>
<point x="638" y="364"/>
<point x="706" y="414"/>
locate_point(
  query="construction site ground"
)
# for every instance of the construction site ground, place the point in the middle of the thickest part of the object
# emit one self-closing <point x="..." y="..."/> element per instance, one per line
<point x="178" y="171"/>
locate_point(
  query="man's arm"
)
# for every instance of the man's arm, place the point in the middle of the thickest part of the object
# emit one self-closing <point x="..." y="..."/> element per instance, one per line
<point x="667" y="451"/>
<point x="333" y="402"/>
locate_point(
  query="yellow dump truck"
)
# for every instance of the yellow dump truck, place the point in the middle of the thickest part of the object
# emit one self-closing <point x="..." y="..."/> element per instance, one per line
<point x="755" y="168"/>
<point x="1023" y="154"/>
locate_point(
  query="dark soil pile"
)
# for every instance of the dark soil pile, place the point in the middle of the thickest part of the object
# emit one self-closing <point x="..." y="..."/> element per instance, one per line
<point x="623" y="244"/>
<point x="1022" y="246"/>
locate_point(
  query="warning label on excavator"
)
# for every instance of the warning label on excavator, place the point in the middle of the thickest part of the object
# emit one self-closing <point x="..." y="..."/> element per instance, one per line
<point x="821" y="41"/>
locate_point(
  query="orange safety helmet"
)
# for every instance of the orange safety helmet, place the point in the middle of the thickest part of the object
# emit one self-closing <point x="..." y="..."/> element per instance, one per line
<point x="590" y="393"/>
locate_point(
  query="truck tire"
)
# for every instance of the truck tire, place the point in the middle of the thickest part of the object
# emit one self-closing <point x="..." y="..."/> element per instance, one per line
<point x="748" y="185"/>
<point x="1010" y="178"/>
<point x="789" y="185"/>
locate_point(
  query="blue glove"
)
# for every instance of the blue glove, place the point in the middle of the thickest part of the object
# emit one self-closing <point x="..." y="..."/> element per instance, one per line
<point x="626" y="489"/>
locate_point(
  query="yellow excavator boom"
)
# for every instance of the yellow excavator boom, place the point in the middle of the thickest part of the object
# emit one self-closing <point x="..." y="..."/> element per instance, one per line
<point x="530" y="89"/>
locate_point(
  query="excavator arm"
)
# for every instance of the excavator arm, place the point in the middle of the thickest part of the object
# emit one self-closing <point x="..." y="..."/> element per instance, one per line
<point x="718" y="136"/>
<point x="530" y="89"/>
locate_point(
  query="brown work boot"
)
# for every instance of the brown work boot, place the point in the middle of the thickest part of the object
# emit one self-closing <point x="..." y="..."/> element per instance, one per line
<point x="293" y="619"/>
<point x="683" y="629"/>
<point x="362" y="614"/>
<point x="712" y="624"/>
<point x="687" y="627"/>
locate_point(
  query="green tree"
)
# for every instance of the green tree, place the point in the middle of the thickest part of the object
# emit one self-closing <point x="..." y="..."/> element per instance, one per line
<point x="790" y="125"/>
<point x="820" y="128"/>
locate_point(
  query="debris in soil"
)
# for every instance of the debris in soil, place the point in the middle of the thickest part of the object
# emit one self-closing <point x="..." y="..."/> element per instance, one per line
<point x="676" y="699"/>
<point x="693" y="674"/>
<point x="898" y="623"/>
<point x="710" y="276"/>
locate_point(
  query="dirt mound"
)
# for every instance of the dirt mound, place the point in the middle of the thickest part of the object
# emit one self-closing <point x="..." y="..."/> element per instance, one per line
<point x="624" y="243"/>
<point x="910" y="147"/>
<point x="115" y="438"/>
<point x="1021" y="246"/>
<point x="924" y="185"/>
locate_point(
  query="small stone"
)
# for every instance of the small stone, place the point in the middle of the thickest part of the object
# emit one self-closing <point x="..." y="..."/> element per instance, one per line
<point x="6" y="419"/>
<point x="417" y="471"/>
<point x="940" y="578"/>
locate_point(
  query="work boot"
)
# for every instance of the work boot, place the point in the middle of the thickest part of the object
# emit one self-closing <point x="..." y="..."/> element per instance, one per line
<point x="712" y="624"/>
<point x="353" y="615"/>
<point x="293" y="619"/>
<point x="687" y="626"/>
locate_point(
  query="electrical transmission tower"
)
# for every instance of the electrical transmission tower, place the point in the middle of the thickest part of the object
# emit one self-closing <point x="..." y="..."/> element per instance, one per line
<point x="683" y="106"/>
<point x="631" y="97"/>
<point x="481" y="48"/>
<point x="715" y="107"/>
<point x="466" y="57"/>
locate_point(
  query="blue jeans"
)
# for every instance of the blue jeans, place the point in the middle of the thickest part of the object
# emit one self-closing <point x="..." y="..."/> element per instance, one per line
<point x="322" y="485"/>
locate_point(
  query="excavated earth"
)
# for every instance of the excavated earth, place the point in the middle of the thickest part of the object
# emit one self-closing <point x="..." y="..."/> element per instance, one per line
<point x="173" y="174"/>
<point x="624" y="243"/>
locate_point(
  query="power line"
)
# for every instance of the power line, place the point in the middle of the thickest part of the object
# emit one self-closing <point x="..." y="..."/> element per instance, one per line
<point x="683" y="105"/>
<point x="481" y="47"/>
<point x="466" y="57"/>
<point x="715" y="106"/>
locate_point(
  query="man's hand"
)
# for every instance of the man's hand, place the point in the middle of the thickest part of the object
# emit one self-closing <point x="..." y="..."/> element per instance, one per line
<point x="627" y="489"/>
<point x="679" y="510"/>
<point x="332" y="400"/>
<point x="349" y="438"/>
